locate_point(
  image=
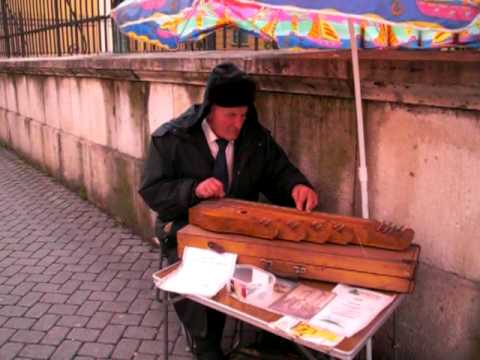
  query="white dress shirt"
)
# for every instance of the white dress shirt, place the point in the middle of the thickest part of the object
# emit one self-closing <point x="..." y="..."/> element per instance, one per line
<point x="212" y="144"/>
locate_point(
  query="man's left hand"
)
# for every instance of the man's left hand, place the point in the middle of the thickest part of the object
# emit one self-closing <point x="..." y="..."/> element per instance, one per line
<point x="305" y="198"/>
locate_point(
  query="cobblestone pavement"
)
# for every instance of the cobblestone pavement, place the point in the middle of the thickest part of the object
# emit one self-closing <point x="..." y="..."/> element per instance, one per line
<point x="73" y="283"/>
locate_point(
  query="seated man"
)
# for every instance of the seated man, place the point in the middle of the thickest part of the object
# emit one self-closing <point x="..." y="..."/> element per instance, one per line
<point x="214" y="150"/>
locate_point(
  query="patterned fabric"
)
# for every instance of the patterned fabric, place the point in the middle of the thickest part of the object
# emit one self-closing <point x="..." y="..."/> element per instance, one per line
<point x="307" y="23"/>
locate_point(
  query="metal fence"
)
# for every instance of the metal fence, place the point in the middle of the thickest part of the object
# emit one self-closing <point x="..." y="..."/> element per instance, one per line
<point x="32" y="28"/>
<point x="54" y="27"/>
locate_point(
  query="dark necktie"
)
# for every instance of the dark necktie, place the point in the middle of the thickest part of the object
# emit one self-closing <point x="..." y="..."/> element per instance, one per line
<point x="220" y="170"/>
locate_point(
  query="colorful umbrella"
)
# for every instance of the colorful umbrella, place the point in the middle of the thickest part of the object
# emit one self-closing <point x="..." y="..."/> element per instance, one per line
<point x="307" y="23"/>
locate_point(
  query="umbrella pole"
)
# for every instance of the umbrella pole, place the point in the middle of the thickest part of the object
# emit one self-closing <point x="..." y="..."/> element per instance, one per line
<point x="362" y="169"/>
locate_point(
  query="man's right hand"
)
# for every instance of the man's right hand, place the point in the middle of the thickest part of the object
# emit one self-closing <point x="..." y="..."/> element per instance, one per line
<point x="210" y="188"/>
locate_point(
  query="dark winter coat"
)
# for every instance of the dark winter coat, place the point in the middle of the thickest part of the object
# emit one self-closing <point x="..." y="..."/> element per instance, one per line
<point x="179" y="158"/>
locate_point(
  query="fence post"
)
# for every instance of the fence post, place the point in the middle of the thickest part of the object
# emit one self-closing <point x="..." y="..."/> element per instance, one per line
<point x="57" y="25"/>
<point x="22" y="34"/>
<point x="5" y="27"/>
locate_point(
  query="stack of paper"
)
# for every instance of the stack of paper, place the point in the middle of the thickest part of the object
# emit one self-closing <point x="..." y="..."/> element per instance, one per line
<point x="202" y="272"/>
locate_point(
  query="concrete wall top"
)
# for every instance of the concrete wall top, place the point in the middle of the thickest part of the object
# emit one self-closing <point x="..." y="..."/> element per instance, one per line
<point x="420" y="78"/>
<point x="278" y="62"/>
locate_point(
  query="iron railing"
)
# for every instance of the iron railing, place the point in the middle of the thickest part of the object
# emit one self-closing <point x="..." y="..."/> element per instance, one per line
<point x="54" y="27"/>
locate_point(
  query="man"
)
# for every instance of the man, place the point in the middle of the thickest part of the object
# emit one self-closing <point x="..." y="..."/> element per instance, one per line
<point x="214" y="150"/>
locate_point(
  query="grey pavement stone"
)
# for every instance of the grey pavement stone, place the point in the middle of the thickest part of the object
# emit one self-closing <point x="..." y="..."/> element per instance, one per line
<point x="73" y="321"/>
<point x="96" y="350"/>
<point x="46" y="322"/>
<point x="23" y="288"/>
<point x="27" y="336"/>
<point x="13" y="310"/>
<point x="102" y="295"/>
<point x="6" y="289"/>
<point x="3" y="319"/>
<point x="89" y="308"/>
<point x="66" y="350"/>
<point x="37" y="351"/>
<point x="17" y="279"/>
<point x="83" y="335"/>
<point x="5" y="334"/>
<point x="140" y="332"/>
<point x="63" y="309"/>
<point x="112" y="334"/>
<point x="55" y="335"/>
<point x="125" y="349"/>
<point x="79" y="297"/>
<point x="140" y="306"/>
<point x="99" y="320"/>
<point x="153" y="318"/>
<point x="69" y="287"/>
<point x="19" y="323"/>
<point x="38" y="309"/>
<point x="153" y="347"/>
<point x="115" y="306"/>
<point x="39" y="278"/>
<point x="126" y="319"/>
<point x="140" y="356"/>
<point x="93" y="285"/>
<point x="127" y="295"/>
<point x="10" y="350"/>
<point x="116" y="285"/>
<point x="8" y="299"/>
<point x="54" y="298"/>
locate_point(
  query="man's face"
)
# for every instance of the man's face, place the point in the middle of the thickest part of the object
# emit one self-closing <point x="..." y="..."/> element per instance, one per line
<point x="226" y="122"/>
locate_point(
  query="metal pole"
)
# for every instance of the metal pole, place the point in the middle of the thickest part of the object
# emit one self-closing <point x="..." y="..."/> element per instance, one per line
<point x="165" y="325"/>
<point x="368" y="349"/>
<point x="5" y="27"/>
<point x="362" y="169"/>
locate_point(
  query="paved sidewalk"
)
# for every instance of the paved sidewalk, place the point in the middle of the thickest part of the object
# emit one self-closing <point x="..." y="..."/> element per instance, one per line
<point x="73" y="283"/>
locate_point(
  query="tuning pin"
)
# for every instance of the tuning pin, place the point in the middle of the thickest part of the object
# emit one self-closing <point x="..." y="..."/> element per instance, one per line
<point x="265" y="221"/>
<point x="380" y="227"/>
<point x="388" y="227"/>
<point x="391" y="227"/>
<point x="293" y="224"/>
<point x="396" y="228"/>
<point x="316" y="225"/>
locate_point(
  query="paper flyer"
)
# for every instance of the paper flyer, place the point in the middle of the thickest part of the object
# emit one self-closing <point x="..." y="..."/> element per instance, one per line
<point x="300" y="329"/>
<point x="202" y="272"/>
<point x="351" y="310"/>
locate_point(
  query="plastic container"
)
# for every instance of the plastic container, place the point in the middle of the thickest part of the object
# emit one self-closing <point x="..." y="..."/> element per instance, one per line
<point x="251" y="284"/>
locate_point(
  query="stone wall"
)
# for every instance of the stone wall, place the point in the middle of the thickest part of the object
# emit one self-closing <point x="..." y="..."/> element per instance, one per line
<point x="87" y="120"/>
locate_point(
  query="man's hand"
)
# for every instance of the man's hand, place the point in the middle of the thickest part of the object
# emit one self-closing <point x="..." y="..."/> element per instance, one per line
<point x="305" y="198"/>
<point x="210" y="188"/>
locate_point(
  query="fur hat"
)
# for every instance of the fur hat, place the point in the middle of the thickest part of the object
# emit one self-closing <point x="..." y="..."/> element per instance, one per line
<point x="228" y="86"/>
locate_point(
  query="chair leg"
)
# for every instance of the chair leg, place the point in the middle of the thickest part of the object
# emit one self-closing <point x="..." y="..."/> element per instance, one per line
<point x="160" y="267"/>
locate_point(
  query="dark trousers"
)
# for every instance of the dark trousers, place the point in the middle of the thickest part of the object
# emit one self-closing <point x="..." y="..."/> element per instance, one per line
<point x="205" y="325"/>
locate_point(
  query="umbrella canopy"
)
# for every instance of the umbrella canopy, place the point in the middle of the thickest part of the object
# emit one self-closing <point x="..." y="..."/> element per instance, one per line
<point x="307" y="23"/>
